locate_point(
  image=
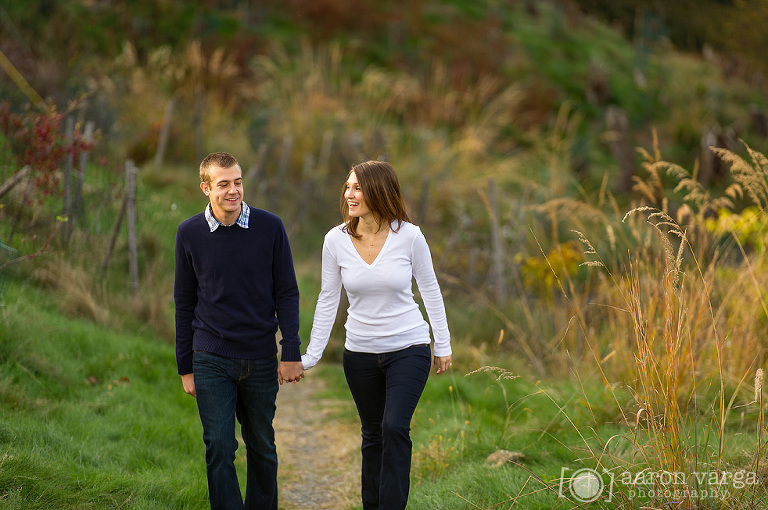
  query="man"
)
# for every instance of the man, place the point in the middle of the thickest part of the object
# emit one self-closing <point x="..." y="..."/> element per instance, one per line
<point x="234" y="286"/>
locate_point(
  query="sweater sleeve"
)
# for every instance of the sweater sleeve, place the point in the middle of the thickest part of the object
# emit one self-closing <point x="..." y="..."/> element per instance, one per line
<point x="327" y="306"/>
<point x="185" y="299"/>
<point x="286" y="295"/>
<point x="426" y="280"/>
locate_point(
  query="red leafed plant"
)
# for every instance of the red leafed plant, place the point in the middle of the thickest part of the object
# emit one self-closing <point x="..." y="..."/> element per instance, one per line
<point x="38" y="139"/>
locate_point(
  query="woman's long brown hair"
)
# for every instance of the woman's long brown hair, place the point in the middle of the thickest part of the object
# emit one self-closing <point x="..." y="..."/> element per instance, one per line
<point x="381" y="190"/>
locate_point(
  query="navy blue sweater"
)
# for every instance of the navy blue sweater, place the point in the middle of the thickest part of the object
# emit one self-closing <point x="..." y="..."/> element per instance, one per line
<point x="233" y="288"/>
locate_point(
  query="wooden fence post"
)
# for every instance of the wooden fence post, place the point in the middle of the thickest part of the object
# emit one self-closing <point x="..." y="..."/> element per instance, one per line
<point x="115" y="232"/>
<point x="305" y="194"/>
<point x="252" y="184"/>
<point x="69" y="130"/>
<point x="323" y="160"/>
<point x="197" y="125"/>
<point x="424" y="200"/>
<point x="133" y="263"/>
<point x="707" y="158"/>
<point x="282" y="168"/>
<point x="80" y="177"/>
<point x="164" y="132"/>
<point x="496" y="246"/>
<point x="618" y="138"/>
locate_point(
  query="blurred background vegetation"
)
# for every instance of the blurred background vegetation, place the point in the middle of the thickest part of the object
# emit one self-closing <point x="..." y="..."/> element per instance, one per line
<point x="590" y="175"/>
<point x="512" y="124"/>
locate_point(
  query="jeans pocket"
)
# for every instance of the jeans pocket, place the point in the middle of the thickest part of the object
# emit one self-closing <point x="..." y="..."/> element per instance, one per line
<point x="204" y="357"/>
<point x="420" y="350"/>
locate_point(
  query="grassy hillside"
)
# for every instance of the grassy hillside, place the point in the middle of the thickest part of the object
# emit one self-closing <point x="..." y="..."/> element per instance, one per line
<point x="91" y="416"/>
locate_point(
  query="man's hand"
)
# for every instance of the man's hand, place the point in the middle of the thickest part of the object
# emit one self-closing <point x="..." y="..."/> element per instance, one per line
<point x="188" y="381"/>
<point x="290" y="371"/>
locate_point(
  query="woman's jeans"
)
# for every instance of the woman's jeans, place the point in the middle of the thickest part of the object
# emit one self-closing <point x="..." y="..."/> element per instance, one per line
<point x="244" y="389"/>
<point x="386" y="388"/>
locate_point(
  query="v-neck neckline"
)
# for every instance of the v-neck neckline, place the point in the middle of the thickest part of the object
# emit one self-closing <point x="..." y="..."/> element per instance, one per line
<point x="378" y="255"/>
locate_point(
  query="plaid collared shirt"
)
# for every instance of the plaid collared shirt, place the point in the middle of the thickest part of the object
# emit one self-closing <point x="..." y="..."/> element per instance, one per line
<point x="242" y="220"/>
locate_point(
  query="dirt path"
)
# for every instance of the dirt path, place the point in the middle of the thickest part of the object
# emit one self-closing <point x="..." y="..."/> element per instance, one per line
<point x="319" y="455"/>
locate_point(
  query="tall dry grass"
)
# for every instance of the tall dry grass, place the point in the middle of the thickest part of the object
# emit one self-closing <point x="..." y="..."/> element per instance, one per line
<point x="682" y="323"/>
<point x="673" y="314"/>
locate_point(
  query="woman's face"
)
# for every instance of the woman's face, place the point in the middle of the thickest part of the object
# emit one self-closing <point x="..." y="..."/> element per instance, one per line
<point x="355" y="200"/>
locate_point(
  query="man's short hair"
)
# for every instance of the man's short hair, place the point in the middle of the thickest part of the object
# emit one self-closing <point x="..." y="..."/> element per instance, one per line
<point x="220" y="159"/>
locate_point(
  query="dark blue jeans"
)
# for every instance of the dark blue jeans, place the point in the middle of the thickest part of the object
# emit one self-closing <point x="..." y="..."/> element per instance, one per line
<point x="229" y="389"/>
<point x="386" y="388"/>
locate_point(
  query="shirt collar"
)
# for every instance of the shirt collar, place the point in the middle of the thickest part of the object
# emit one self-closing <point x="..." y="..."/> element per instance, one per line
<point x="242" y="220"/>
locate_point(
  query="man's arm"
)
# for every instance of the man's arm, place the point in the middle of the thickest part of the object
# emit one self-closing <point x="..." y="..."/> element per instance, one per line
<point x="286" y="296"/>
<point x="185" y="300"/>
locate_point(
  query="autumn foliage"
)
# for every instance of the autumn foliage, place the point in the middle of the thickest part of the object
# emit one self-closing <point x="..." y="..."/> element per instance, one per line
<point x="38" y="137"/>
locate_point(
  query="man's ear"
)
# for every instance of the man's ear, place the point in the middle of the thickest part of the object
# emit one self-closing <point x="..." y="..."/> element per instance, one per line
<point x="205" y="188"/>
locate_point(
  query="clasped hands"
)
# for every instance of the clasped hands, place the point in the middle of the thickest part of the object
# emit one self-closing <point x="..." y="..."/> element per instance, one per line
<point x="287" y="371"/>
<point x="290" y="371"/>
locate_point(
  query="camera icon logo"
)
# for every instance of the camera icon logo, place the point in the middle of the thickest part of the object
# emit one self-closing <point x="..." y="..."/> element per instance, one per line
<point x="585" y="485"/>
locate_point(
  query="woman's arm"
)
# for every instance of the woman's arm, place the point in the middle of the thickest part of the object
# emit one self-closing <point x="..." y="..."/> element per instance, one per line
<point x="325" y="311"/>
<point x="426" y="280"/>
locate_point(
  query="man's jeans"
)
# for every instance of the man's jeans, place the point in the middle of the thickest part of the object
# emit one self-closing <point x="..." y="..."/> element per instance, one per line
<point x="386" y="388"/>
<point x="243" y="389"/>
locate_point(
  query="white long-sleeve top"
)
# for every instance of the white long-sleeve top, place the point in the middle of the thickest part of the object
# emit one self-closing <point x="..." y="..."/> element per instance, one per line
<point x="382" y="315"/>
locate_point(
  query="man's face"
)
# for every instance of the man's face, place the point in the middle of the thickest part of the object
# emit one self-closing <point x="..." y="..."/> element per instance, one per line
<point x="225" y="192"/>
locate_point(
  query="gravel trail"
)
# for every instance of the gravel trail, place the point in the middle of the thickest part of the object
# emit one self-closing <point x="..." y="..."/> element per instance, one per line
<point x="319" y="455"/>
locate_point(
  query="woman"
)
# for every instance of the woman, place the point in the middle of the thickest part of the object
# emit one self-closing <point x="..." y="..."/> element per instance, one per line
<point x="374" y="254"/>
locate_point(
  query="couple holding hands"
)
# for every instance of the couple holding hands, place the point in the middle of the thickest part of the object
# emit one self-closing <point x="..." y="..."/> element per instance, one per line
<point x="235" y="285"/>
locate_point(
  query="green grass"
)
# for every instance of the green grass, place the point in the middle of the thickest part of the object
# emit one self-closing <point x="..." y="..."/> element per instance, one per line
<point x="91" y="418"/>
<point x="556" y="427"/>
<point x="463" y="419"/>
<point x="94" y="418"/>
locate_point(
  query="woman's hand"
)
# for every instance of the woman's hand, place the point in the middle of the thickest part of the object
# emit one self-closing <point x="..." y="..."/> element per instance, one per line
<point x="442" y="363"/>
